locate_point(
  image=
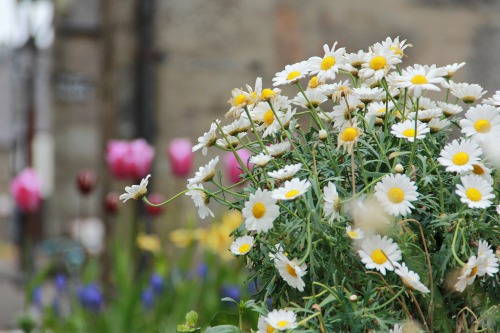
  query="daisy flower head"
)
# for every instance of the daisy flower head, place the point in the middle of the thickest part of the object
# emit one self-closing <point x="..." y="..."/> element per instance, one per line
<point x="353" y="62"/>
<point x="349" y="135"/>
<point x="487" y="260"/>
<point x="480" y="122"/>
<point x="449" y="109"/>
<point x="493" y="100"/>
<point x="241" y="125"/>
<point x="354" y="234"/>
<point x="482" y="171"/>
<point x="136" y="192"/>
<point x="459" y="156"/>
<point x="379" y="109"/>
<point x="204" y="173"/>
<point x="424" y="103"/>
<point x="468" y="93"/>
<point x="286" y="173"/>
<point x="230" y="141"/>
<point x="342" y="113"/>
<point x="468" y="274"/>
<point x="475" y="191"/>
<point x="282" y="320"/>
<point x="208" y="139"/>
<point x="406" y="130"/>
<point x="260" y="211"/>
<point x="368" y="95"/>
<point x="263" y="326"/>
<point x="396" y="46"/>
<point x="291" y="271"/>
<point x="260" y="160"/>
<point x="327" y="67"/>
<point x="380" y="60"/>
<point x="335" y="91"/>
<point x="253" y="96"/>
<point x="268" y="94"/>
<point x="292" y="73"/>
<point x="292" y="189"/>
<point x="380" y="253"/>
<point x="426" y="116"/>
<point x="280" y="121"/>
<point x="200" y="199"/>
<point x="452" y="69"/>
<point x="278" y="149"/>
<point x="331" y="202"/>
<point x="395" y="193"/>
<point x="312" y="99"/>
<point x="314" y="83"/>
<point x="279" y="249"/>
<point x="238" y="100"/>
<point x="411" y="279"/>
<point x="418" y="79"/>
<point x="242" y="245"/>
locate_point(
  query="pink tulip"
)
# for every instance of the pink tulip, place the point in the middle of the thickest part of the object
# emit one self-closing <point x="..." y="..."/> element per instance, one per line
<point x="25" y="188"/>
<point x="233" y="167"/>
<point x="129" y="159"/>
<point x="181" y="157"/>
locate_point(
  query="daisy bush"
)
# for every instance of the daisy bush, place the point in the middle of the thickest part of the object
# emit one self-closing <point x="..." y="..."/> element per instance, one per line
<point x="371" y="199"/>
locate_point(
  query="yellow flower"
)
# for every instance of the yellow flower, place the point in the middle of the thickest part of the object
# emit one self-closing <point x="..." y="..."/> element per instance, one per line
<point x="181" y="237"/>
<point x="150" y="243"/>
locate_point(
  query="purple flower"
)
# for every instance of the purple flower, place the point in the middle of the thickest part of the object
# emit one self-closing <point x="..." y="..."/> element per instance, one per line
<point x="90" y="297"/>
<point x="231" y="291"/>
<point x="157" y="283"/>
<point x="60" y="283"/>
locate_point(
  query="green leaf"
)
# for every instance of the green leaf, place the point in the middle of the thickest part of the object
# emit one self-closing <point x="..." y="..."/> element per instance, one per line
<point x="191" y="318"/>
<point x="223" y="329"/>
<point x="224" y="318"/>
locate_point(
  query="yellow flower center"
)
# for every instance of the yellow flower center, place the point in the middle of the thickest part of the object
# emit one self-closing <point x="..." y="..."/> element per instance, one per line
<point x="269" y="329"/>
<point x="377" y="63"/>
<point x="282" y="323"/>
<point x="269" y="117"/>
<point x="353" y="234"/>
<point x="349" y="134"/>
<point x="477" y="170"/>
<point x="381" y="110"/>
<point x="140" y="194"/>
<point x="409" y="132"/>
<point x="292" y="193"/>
<point x="258" y="210"/>
<point x="482" y="125"/>
<point x="327" y="63"/>
<point x="473" y="194"/>
<point x="473" y="272"/>
<point x="244" y="248"/>
<point x="291" y="270"/>
<point x="240" y="99"/>
<point x="397" y="50"/>
<point x="419" y="79"/>
<point x="378" y="257"/>
<point x="292" y="75"/>
<point x="460" y="158"/>
<point x="313" y="82"/>
<point x="267" y="93"/>
<point x="396" y="195"/>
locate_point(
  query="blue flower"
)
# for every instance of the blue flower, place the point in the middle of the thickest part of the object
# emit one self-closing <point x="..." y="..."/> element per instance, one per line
<point x="157" y="283"/>
<point x="60" y="283"/>
<point x="90" y="297"/>
<point x="148" y="298"/>
<point x="232" y="291"/>
<point x="37" y="297"/>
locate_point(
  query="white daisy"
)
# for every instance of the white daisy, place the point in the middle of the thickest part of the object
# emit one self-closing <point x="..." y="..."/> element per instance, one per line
<point x="487" y="260"/>
<point x="493" y="100"/>
<point x="406" y="130"/>
<point x="379" y="253"/>
<point x="451" y="69"/>
<point x="368" y="95"/>
<point x="419" y="78"/>
<point x="230" y="141"/>
<point x="291" y="73"/>
<point x="278" y="149"/>
<point x="314" y="83"/>
<point x="204" y="173"/>
<point x="315" y="98"/>
<point x="410" y="279"/>
<point x="238" y="126"/>
<point x="436" y="125"/>
<point x="475" y="191"/>
<point x="292" y="189"/>
<point x="395" y="46"/>
<point x="200" y="199"/>
<point x="396" y="329"/>
<point x="424" y="103"/>
<point x="208" y="139"/>
<point x="468" y="93"/>
<point x="279" y="250"/>
<point x="136" y="191"/>
<point x="343" y="112"/>
<point x="254" y="94"/>
<point x="354" y="62"/>
<point x="322" y="134"/>
<point x="459" y="156"/>
<point x="482" y="171"/>
<point x="260" y="160"/>
<point x="331" y="204"/>
<point x="380" y="60"/>
<point x="468" y="274"/>
<point x="260" y="211"/>
<point x="242" y="245"/>
<point x="238" y="101"/>
<point x="285" y="173"/>
<point x="481" y="121"/>
<point x="276" y="123"/>
<point x="395" y="193"/>
<point x="263" y="326"/>
<point x="282" y="320"/>
<point x="449" y="109"/>
<point x="426" y="115"/>
<point x="290" y="271"/>
<point x="378" y="109"/>
<point x="354" y="234"/>
<point x="327" y="67"/>
<point x="262" y="112"/>
<point x="349" y="135"/>
<point x="334" y="90"/>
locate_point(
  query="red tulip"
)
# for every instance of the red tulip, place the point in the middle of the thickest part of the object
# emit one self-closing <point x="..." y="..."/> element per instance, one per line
<point x="155" y="198"/>
<point x="86" y="181"/>
<point x="25" y="188"/>
<point x="111" y="202"/>
<point x="129" y="159"/>
<point x="233" y="167"/>
<point x="181" y="157"/>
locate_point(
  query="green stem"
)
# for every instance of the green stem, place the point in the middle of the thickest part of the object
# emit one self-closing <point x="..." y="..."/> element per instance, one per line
<point x="414" y="144"/>
<point x="453" y="245"/>
<point x="165" y="202"/>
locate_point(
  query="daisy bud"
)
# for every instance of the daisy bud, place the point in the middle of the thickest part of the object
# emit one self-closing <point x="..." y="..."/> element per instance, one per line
<point x="399" y="168"/>
<point x="322" y="135"/>
<point x="353" y="298"/>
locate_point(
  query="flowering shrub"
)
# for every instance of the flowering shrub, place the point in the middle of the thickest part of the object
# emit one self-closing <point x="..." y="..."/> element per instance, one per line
<point x="368" y="202"/>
